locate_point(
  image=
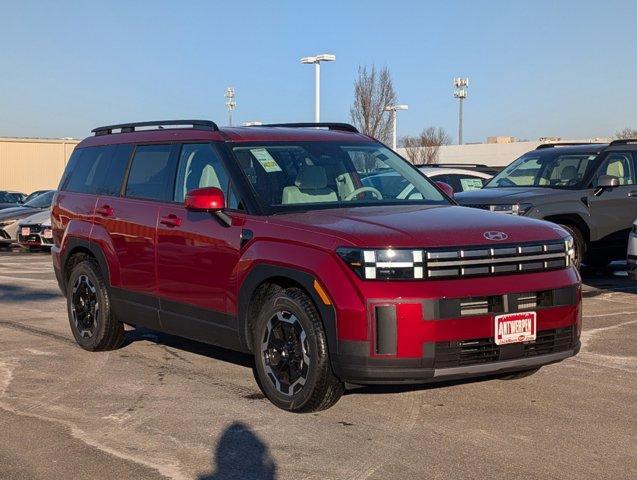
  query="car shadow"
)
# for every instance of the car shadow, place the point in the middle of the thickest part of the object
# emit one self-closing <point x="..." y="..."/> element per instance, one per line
<point x="241" y="455"/>
<point x="192" y="346"/>
<point x="18" y="293"/>
<point x="612" y="278"/>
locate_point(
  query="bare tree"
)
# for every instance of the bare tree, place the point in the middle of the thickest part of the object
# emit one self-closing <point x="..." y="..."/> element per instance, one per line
<point x="373" y="91"/>
<point x="423" y="149"/>
<point x="626" y="133"/>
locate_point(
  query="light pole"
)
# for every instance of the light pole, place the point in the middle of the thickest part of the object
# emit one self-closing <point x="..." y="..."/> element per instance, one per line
<point x="316" y="60"/>
<point x="393" y="109"/>
<point x="230" y="103"/>
<point x="461" y="86"/>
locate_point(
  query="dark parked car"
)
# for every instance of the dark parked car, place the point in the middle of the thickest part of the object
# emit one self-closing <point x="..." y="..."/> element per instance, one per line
<point x="10" y="199"/>
<point x="265" y="240"/>
<point x="588" y="189"/>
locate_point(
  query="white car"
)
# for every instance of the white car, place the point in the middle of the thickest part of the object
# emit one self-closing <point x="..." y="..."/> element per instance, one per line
<point x="35" y="231"/>
<point x="460" y="179"/>
<point x="632" y="252"/>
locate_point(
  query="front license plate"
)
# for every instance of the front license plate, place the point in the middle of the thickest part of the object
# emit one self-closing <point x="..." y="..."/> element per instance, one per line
<point x="25" y="232"/>
<point x="515" y="327"/>
<point x="47" y="234"/>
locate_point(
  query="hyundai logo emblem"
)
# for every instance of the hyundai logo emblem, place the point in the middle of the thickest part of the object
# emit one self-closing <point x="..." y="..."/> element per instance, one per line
<point x="495" y="236"/>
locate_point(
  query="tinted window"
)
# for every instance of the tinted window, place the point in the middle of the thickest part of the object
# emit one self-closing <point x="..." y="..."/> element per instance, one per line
<point x="618" y="165"/>
<point x="85" y="172"/>
<point x="199" y="167"/>
<point x="151" y="173"/>
<point x="112" y="177"/>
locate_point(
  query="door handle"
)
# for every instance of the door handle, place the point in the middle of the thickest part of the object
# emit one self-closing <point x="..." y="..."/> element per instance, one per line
<point x="105" y="211"/>
<point x="170" y="220"/>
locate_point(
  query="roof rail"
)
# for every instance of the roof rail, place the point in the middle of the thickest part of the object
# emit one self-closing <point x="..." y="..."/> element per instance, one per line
<point x="566" y="144"/>
<point x="343" y="127"/>
<point x="130" y="127"/>
<point x="622" y="141"/>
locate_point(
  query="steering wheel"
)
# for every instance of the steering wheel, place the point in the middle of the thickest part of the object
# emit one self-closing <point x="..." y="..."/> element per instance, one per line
<point x="372" y="190"/>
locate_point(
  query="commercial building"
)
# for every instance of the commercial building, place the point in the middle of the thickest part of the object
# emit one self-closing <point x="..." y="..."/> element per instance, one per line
<point x="29" y="164"/>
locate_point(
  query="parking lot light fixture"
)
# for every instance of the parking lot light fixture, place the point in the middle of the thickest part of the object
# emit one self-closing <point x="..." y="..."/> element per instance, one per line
<point x="393" y="109"/>
<point x="316" y="60"/>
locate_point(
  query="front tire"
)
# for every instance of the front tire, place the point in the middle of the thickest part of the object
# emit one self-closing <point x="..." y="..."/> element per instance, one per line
<point x="92" y="321"/>
<point x="291" y="357"/>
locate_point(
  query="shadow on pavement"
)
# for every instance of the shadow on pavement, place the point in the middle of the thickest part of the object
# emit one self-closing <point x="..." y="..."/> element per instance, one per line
<point x="241" y="455"/>
<point x="210" y="351"/>
<point x="612" y="278"/>
<point x="17" y="293"/>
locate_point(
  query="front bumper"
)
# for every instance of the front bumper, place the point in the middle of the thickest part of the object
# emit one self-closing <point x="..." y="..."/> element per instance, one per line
<point x="35" y="238"/>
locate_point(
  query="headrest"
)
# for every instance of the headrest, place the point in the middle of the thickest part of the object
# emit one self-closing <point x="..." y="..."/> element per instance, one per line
<point x="569" y="173"/>
<point x="311" y="177"/>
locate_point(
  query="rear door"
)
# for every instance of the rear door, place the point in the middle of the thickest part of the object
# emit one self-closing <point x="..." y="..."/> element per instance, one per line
<point x="197" y="255"/>
<point x="129" y="219"/>
<point x="614" y="209"/>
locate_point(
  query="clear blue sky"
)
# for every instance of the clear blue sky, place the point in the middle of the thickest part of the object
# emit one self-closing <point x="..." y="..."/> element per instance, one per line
<point x="537" y="68"/>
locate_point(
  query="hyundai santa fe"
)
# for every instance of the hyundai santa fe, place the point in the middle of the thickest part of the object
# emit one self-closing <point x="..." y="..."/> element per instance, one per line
<point x="266" y="240"/>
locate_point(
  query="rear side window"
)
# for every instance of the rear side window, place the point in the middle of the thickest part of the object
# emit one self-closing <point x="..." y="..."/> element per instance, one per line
<point x="86" y="169"/>
<point x="112" y="177"/>
<point x="152" y="173"/>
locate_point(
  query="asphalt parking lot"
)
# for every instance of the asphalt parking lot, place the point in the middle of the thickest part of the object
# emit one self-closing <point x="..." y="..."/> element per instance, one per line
<point x="164" y="407"/>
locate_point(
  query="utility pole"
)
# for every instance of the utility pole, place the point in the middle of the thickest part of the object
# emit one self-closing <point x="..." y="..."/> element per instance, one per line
<point x="230" y="103"/>
<point x="461" y="86"/>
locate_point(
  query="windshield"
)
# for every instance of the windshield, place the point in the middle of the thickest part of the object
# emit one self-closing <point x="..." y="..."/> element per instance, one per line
<point x="312" y="175"/>
<point x="10" y="197"/>
<point x="41" y="201"/>
<point x="532" y="170"/>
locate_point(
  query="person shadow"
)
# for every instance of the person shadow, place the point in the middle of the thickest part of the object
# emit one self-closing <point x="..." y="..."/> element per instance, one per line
<point x="241" y="455"/>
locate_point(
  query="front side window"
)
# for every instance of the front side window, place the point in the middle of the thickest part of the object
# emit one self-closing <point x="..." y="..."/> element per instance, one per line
<point x="199" y="167"/>
<point x="620" y="166"/>
<point x="311" y="175"/>
<point x="532" y="170"/>
<point x="151" y="173"/>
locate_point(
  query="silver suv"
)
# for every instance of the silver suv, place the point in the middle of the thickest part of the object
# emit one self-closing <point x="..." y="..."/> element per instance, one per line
<point x="589" y="189"/>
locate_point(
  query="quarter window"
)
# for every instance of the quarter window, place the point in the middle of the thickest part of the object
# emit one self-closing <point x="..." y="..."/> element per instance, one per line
<point x="151" y="173"/>
<point x="86" y="168"/>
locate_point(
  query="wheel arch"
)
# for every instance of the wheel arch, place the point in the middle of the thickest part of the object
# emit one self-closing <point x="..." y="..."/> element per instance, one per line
<point x="574" y="220"/>
<point x="75" y="246"/>
<point x="264" y="274"/>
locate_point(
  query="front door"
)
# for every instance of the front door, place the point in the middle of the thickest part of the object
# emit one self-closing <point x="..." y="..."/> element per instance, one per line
<point x="197" y="255"/>
<point x="614" y="209"/>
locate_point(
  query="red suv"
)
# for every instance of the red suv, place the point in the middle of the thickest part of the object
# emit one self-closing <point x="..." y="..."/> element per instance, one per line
<point x="266" y="240"/>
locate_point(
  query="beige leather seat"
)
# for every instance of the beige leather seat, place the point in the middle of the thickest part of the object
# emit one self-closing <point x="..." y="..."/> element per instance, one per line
<point x="310" y="186"/>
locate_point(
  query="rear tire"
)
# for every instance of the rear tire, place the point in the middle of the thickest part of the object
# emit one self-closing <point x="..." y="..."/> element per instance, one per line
<point x="578" y="244"/>
<point x="92" y="321"/>
<point x="291" y="358"/>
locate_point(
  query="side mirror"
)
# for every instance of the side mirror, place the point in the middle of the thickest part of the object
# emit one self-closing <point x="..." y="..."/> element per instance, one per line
<point x="208" y="199"/>
<point x="445" y="187"/>
<point x="607" y="181"/>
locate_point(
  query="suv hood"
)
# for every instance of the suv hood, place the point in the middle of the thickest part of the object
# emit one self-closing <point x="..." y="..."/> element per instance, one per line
<point x="502" y="195"/>
<point x="41" y="218"/>
<point x="17" y="212"/>
<point x="416" y="226"/>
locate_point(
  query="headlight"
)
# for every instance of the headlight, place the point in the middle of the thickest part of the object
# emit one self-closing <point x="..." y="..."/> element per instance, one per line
<point x="570" y="251"/>
<point x="386" y="264"/>
<point x="511" y="209"/>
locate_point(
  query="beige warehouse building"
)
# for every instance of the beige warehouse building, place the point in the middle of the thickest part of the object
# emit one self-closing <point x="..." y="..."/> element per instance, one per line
<point x="29" y="164"/>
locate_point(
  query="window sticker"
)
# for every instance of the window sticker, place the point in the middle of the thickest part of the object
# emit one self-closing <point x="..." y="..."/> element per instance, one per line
<point x="266" y="160"/>
<point x="469" y="184"/>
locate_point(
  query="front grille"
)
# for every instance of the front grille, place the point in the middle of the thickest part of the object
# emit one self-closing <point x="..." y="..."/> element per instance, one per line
<point x="33" y="228"/>
<point x="500" y="260"/>
<point x="484" y="350"/>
